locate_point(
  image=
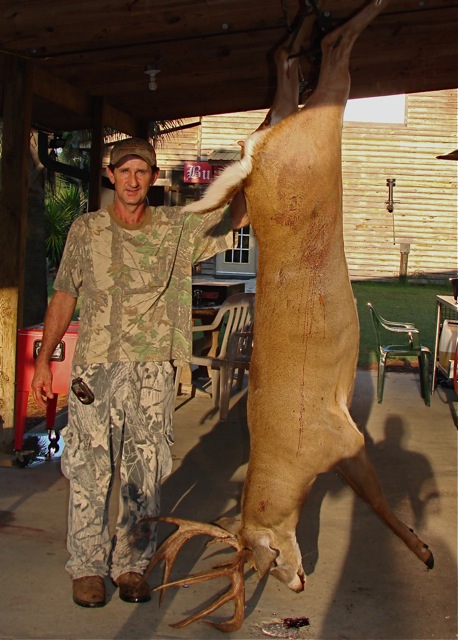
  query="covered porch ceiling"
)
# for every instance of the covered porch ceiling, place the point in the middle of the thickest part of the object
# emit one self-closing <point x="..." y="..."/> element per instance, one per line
<point x="214" y="56"/>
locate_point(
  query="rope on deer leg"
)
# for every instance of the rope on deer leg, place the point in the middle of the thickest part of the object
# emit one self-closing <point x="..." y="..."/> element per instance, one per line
<point x="307" y="9"/>
<point x="305" y="87"/>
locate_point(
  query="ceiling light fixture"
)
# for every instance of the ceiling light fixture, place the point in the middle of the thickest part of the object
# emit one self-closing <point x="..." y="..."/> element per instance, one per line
<point x="151" y="71"/>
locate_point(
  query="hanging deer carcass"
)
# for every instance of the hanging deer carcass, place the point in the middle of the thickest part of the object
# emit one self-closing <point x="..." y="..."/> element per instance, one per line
<point x="306" y="330"/>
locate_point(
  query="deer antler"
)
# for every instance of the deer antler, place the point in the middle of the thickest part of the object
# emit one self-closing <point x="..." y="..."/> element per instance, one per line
<point x="233" y="569"/>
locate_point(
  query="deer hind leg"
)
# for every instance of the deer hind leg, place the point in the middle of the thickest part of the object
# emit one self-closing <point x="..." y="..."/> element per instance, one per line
<point x="336" y="47"/>
<point x="286" y="98"/>
<point x="360" y="474"/>
<point x="345" y="35"/>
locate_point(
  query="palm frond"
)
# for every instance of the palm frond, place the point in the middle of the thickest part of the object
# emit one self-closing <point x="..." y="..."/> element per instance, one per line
<point x="61" y="208"/>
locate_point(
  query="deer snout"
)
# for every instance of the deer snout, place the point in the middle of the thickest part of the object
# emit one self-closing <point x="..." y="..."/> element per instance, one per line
<point x="298" y="583"/>
<point x="276" y="554"/>
<point x="294" y="580"/>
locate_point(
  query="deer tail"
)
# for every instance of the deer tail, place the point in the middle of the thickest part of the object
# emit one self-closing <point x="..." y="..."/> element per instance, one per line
<point x="231" y="180"/>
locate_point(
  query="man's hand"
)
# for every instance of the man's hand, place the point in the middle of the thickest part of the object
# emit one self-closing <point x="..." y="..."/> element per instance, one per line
<point x="42" y="384"/>
<point x="57" y="319"/>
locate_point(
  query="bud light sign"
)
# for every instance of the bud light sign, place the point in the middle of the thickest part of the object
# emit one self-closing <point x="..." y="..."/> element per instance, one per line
<point x="197" y="172"/>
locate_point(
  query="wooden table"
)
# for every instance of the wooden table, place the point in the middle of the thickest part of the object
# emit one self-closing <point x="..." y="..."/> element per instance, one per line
<point x="447" y="309"/>
<point x="215" y="291"/>
<point x="205" y="313"/>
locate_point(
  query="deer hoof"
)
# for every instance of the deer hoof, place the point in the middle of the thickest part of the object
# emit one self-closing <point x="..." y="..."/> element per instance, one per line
<point x="429" y="562"/>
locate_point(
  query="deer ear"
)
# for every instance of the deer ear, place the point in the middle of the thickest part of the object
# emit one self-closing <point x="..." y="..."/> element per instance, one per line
<point x="264" y="557"/>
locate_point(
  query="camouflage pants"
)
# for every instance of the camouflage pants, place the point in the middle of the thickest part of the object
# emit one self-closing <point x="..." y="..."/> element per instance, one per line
<point x="129" y="424"/>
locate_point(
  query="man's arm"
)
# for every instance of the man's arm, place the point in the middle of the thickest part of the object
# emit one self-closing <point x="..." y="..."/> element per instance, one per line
<point x="239" y="211"/>
<point x="58" y="316"/>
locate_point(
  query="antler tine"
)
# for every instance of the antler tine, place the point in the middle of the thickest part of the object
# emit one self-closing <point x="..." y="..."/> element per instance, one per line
<point x="236" y="592"/>
<point x="170" y="548"/>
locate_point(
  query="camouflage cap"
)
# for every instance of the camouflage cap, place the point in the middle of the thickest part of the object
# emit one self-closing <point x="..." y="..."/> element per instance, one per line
<point x="133" y="147"/>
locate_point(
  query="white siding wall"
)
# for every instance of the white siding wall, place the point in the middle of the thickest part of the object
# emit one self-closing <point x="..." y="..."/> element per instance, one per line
<point x="425" y="210"/>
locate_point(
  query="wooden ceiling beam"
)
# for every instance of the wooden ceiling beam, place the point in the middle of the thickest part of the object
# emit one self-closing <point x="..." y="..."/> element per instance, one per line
<point x="30" y="28"/>
<point x="214" y="55"/>
<point x="56" y="91"/>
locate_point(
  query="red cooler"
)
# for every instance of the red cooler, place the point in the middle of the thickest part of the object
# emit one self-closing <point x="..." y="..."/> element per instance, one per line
<point x="28" y="345"/>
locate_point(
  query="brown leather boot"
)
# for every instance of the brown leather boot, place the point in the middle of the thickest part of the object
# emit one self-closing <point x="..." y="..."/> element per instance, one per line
<point x="132" y="588"/>
<point x="89" y="591"/>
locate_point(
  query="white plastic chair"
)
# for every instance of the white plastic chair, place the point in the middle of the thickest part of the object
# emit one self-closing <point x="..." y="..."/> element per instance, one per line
<point x="234" y="322"/>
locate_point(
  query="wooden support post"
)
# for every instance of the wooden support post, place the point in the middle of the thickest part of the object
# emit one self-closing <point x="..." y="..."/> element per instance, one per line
<point x="17" y="109"/>
<point x="95" y="183"/>
<point x="141" y="129"/>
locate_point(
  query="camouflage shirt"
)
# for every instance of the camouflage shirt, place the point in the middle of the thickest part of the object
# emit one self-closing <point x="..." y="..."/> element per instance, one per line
<point x="135" y="281"/>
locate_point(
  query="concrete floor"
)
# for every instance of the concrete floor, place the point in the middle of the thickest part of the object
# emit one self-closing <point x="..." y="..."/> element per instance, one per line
<point x="362" y="582"/>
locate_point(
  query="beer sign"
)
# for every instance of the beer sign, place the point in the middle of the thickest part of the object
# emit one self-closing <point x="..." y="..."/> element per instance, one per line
<point x="197" y="172"/>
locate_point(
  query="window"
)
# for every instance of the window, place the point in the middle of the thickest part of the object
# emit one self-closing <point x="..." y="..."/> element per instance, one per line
<point x="382" y="109"/>
<point x="241" y="254"/>
<point x="243" y="259"/>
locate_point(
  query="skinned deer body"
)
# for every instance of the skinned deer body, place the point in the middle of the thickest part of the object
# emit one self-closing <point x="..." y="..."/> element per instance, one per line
<point x="306" y="326"/>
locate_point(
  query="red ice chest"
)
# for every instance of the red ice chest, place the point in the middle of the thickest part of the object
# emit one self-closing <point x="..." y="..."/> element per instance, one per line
<point x="28" y="345"/>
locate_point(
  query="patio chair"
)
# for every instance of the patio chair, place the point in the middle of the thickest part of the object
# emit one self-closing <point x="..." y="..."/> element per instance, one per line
<point x="410" y="348"/>
<point x="234" y="326"/>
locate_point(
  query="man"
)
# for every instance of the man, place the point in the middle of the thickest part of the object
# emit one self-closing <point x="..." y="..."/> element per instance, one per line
<point x="132" y="264"/>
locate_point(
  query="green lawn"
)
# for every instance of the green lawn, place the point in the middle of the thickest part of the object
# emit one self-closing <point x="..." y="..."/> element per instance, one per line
<point x="395" y="301"/>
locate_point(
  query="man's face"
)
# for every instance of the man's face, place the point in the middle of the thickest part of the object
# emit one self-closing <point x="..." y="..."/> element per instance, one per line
<point x="132" y="177"/>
